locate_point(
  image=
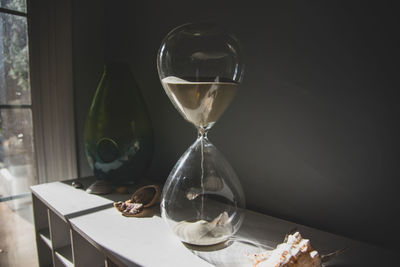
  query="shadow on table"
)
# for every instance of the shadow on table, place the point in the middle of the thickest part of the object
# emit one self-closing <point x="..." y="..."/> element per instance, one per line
<point x="231" y="253"/>
<point x="114" y="197"/>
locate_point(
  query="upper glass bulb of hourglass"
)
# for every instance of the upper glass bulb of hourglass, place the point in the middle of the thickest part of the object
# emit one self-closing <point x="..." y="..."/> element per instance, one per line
<point x="200" y="67"/>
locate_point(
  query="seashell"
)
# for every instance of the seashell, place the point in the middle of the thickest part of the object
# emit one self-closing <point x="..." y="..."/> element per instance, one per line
<point x="129" y="208"/>
<point x="100" y="187"/>
<point x="147" y="195"/>
<point x="77" y="184"/>
<point x="294" y="251"/>
<point x="140" y="202"/>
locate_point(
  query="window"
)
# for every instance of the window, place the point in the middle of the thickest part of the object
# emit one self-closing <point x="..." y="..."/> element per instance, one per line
<point x="37" y="135"/>
<point x="17" y="157"/>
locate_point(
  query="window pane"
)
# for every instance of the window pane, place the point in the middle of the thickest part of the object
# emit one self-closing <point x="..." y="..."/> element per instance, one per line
<point x="17" y="168"/>
<point x="14" y="60"/>
<point x="17" y="5"/>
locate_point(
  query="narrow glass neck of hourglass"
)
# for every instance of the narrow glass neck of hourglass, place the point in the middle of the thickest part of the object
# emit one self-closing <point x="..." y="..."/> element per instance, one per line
<point x="202" y="132"/>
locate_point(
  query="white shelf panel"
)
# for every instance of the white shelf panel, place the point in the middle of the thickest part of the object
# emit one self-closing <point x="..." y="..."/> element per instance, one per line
<point x="45" y="236"/>
<point x="66" y="200"/>
<point x="100" y="229"/>
<point x="141" y="241"/>
<point x="148" y="242"/>
<point x="64" y="254"/>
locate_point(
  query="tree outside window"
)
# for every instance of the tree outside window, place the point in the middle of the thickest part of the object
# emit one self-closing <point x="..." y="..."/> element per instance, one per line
<point x="17" y="165"/>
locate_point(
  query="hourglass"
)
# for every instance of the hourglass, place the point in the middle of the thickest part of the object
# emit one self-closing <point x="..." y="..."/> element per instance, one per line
<point x="200" y="68"/>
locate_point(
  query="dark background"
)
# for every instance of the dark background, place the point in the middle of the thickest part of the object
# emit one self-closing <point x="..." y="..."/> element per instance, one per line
<point x="313" y="132"/>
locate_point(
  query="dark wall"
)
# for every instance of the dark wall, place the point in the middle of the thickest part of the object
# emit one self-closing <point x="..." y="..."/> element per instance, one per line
<point x="313" y="132"/>
<point x="88" y="49"/>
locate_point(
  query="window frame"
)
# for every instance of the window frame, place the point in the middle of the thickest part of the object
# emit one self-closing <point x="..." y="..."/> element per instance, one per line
<point x="13" y="12"/>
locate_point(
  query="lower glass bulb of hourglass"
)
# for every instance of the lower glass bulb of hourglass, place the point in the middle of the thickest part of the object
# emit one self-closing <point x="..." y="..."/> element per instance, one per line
<point x="202" y="198"/>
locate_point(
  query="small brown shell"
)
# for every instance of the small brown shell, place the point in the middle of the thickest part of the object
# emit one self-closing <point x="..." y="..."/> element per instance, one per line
<point x="129" y="208"/>
<point x="148" y="195"/>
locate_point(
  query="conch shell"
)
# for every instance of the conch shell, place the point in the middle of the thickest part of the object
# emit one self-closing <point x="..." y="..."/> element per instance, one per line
<point x="294" y="251"/>
<point x="140" y="202"/>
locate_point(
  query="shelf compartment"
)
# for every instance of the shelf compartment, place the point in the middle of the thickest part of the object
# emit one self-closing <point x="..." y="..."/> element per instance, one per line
<point x="40" y="214"/>
<point x="64" y="255"/>
<point x="59" y="231"/>
<point x="44" y="234"/>
<point x="84" y="253"/>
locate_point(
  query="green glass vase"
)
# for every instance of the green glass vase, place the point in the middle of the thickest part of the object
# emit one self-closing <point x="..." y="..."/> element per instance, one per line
<point x="118" y="134"/>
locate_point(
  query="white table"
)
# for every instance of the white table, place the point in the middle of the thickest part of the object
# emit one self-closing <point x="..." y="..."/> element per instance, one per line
<point x="108" y="238"/>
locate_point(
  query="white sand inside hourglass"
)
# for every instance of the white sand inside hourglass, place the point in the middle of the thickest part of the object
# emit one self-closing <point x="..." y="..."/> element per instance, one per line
<point x="204" y="233"/>
<point x="201" y="103"/>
